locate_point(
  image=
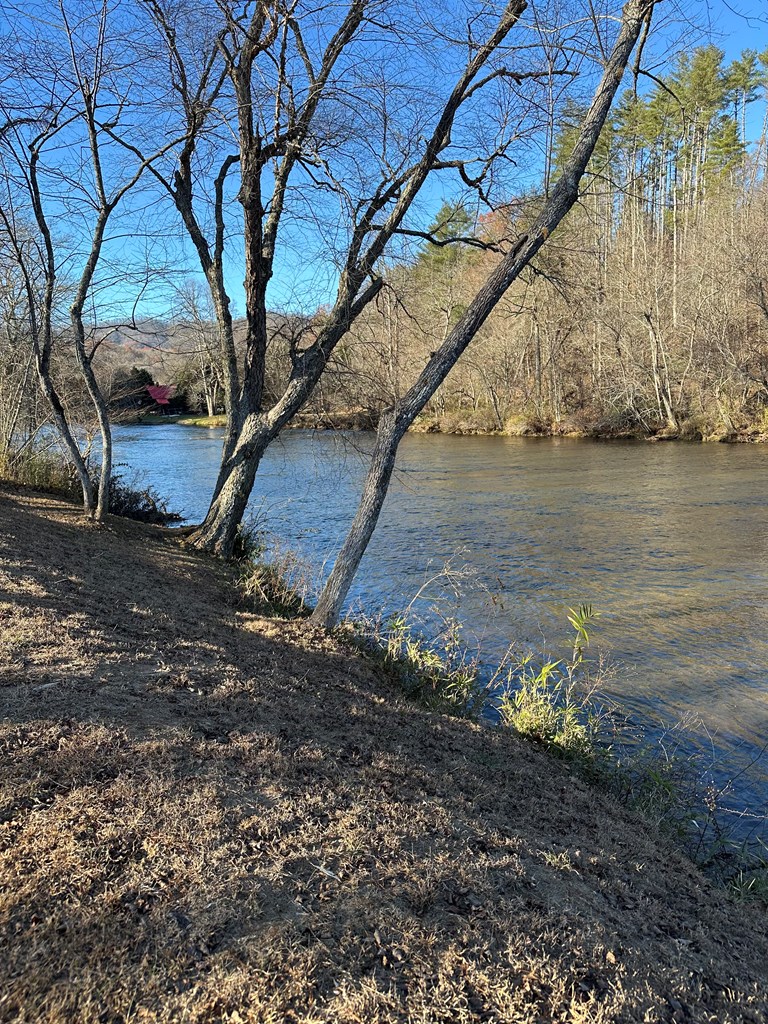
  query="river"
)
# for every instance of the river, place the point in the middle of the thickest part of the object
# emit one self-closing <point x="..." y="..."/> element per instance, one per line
<point x="668" y="541"/>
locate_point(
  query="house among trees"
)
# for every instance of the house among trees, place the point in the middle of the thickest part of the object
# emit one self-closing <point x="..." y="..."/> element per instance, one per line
<point x="161" y="394"/>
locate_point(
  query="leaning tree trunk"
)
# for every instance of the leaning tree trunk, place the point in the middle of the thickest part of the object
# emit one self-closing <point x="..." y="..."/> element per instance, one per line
<point x="394" y="424"/>
<point x="41" y="336"/>
<point x="388" y="436"/>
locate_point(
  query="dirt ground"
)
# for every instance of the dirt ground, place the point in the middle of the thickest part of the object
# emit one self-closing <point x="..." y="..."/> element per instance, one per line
<point x="210" y="817"/>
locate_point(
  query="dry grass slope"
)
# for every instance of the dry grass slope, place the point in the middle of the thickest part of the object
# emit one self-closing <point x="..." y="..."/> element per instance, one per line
<point x="210" y="817"/>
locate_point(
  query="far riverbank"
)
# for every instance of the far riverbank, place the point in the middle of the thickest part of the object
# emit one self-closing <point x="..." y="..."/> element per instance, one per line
<point x="479" y="424"/>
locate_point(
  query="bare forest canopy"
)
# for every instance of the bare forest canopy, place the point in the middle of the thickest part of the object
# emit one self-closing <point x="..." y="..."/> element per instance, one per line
<point x="648" y="310"/>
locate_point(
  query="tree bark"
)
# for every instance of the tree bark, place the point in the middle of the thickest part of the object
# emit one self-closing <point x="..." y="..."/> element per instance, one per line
<point x="102" y="417"/>
<point x="62" y="424"/>
<point x="388" y="436"/>
<point x="217" y="534"/>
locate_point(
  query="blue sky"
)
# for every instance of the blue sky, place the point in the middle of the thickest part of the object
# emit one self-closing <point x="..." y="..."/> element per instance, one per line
<point x="736" y="24"/>
<point x="300" y="284"/>
<point x="732" y="25"/>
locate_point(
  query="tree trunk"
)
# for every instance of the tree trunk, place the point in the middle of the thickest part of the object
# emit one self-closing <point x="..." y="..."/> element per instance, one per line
<point x="100" y="407"/>
<point x="42" y="341"/>
<point x="388" y="437"/>
<point x="46" y="386"/>
<point x="217" y="533"/>
<point x="660" y="372"/>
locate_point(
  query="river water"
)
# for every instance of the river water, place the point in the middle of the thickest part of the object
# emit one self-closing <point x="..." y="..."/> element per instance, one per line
<point x="668" y="541"/>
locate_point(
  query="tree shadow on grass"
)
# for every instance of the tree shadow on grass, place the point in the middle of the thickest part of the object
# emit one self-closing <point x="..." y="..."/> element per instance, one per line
<point x="205" y="813"/>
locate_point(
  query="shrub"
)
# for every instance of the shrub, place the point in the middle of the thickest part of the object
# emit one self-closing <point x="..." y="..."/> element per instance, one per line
<point x="142" y="503"/>
<point x="527" y="424"/>
<point x="40" y="469"/>
<point x="280" y="586"/>
<point x="545" y="707"/>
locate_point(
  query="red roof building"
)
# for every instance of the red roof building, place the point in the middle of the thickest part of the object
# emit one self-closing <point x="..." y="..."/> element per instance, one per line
<point x="161" y="393"/>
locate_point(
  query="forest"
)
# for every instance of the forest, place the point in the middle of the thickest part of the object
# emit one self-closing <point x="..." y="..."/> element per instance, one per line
<point x="647" y="313"/>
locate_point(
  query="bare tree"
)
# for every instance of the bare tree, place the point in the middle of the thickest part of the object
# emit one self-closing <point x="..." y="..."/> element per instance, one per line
<point x="36" y="266"/>
<point x="319" y="126"/>
<point x="395" y="421"/>
<point x="201" y="336"/>
<point x="67" y="97"/>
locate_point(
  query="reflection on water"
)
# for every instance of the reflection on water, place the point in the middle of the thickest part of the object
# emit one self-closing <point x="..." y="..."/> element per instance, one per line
<point x="669" y="541"/>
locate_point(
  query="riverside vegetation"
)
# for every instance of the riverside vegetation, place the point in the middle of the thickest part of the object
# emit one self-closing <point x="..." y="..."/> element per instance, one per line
<point x="209" y="814"/>
<point x="557" y="703"/>
<point x="646" y="315"/>
<point x="44" y="470"/>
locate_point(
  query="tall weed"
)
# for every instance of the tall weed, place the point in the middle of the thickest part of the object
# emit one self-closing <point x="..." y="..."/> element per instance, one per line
<point x="40" y="469"/>
<point x="438" y="672"/>
<point x="275" y="578"/>
<point x="555" y="702"/>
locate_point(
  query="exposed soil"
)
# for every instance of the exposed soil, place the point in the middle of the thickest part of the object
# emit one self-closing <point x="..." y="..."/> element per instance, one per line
<point x="206" y="816"/>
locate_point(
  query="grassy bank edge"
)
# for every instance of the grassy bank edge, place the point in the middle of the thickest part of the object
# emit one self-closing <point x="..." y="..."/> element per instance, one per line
<point x="556" y="704"/>
<point x="46" y="473"/>
<point x="479" y="424"/>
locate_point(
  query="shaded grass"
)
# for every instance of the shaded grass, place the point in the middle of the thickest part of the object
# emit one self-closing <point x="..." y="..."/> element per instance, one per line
<point x="50" y="473"/>
<point x="155" y="419"/>
<point x="210" y="816"/>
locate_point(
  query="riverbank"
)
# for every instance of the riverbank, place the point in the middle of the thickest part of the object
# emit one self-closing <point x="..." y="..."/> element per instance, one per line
<point x="481" y="423"/>
<point x="156" y="419"/>
<point x="207" y="815"/>
<point x="347" y="419"/>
